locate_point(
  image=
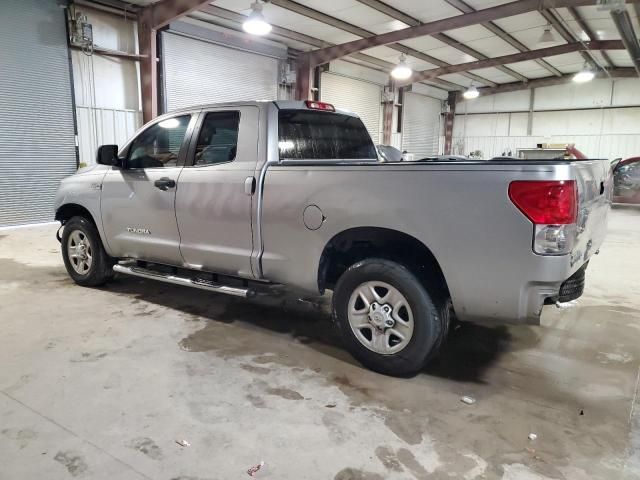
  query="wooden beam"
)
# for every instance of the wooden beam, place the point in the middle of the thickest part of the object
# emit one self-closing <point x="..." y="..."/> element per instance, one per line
<point x="499" y="32"/>
<point x="549" y="81"/>
<point x="486" y="15"/>
<point x="517" y="57"/>
<point x="446" y="39"/>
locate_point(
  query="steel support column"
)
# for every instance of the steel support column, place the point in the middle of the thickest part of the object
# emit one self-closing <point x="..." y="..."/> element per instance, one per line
<point x="147" y="38"/>
<point x="448" y="122"/>
<point x="304" y="73"/>
<point x="388" y="106"/>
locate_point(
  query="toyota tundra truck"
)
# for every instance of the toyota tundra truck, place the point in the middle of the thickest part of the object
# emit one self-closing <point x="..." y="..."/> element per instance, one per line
<point x="231" y="198"/>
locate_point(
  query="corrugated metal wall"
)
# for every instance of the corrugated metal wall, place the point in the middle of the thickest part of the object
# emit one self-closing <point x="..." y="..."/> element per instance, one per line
<point x="361" y="97"/>
<point x="198" y="72"/>
<point x="420" y="125"/>
<point x="101" y="126"/>
<point x="599" y="133"/>
<point x="37" y="138"/>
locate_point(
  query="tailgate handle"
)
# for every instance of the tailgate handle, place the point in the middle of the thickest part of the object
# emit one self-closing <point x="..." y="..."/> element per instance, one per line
<point x="601" y="188"/>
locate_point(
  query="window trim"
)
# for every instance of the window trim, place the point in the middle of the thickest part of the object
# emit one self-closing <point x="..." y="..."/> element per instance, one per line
<point x="190" y="157"/>
<point x="186" y="141"/>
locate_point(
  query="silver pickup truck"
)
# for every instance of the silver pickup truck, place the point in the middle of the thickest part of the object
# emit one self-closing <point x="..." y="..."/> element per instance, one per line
<point x="230" y="197"/>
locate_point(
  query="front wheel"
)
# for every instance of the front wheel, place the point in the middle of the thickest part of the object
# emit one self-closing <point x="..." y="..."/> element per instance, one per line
<point x="387" y="318"/>
<point x="84" y="257"/>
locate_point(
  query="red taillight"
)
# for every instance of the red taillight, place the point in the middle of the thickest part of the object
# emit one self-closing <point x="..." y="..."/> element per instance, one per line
<point x="319" y="106"/>
<point x="546" y="202"/>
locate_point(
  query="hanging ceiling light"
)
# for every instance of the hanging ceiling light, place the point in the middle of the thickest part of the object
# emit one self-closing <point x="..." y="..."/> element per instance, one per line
<point x="584" y="75"/>
<point x="547" y="36"/>
<point x="471" y="92"/>
<point x="402" y="70"/>
<point x="255" y="24"/>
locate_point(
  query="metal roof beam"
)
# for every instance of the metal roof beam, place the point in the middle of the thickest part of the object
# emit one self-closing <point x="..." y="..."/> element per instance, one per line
<point x="518" y="57"/>
<point x="486" y="15"/>
<point x="276" y="31"/>
<point x="361" y="32"/>
<point x="549" y="81"/>
<point x="452" y="42"/>
<point x="625" y="28"/>
<point x="499" y="32"/>
<point x="588" y="32"/>
<point x="567" y="35"/>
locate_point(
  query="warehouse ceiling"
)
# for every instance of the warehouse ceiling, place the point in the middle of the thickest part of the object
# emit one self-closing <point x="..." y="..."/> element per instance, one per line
<point x="307" y="25"/>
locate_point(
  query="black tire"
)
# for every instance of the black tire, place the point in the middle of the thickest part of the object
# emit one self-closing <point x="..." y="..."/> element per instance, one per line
<point x="428" y="324"/>
<point x="101" y="269"/>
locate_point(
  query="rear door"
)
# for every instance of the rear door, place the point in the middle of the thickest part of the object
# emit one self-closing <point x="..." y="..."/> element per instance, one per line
<point x="215" y="191"/>
<point x="137" y="203"/>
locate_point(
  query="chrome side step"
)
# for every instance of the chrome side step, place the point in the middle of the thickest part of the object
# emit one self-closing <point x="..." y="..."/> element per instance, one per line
<point x="188" y="282"/>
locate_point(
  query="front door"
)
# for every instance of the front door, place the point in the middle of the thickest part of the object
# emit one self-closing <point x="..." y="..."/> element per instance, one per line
<point x="138" y="202"/>
<point x="214" y="197"/>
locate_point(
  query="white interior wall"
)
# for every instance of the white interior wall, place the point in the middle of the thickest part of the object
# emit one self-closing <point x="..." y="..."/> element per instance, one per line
<point x="107" y="91"/>
<point x="602" y="118"/>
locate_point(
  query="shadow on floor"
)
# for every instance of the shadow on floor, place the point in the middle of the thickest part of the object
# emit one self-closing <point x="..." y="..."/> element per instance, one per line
<point x="466" y="355"/>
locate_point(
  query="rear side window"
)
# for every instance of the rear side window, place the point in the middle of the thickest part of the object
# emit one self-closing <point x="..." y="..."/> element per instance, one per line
<point x="311" y="135"/>
<point x="218" y="139"/>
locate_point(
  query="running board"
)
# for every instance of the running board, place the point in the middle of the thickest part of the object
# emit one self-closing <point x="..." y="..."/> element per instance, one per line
<point x="188" y="282"/>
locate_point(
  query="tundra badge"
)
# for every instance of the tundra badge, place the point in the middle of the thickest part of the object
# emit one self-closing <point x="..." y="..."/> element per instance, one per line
<point x="139" y="231"/>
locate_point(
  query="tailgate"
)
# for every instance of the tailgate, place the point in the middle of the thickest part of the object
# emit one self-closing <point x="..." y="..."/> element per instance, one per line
<point x="595" y="185"/>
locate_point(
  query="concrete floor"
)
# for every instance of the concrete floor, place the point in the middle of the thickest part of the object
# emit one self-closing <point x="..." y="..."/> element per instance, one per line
<point x="101" y="383"/>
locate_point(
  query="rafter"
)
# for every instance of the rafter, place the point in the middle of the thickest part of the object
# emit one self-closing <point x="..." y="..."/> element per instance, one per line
<point x="551" y="17"/>
<point x="549" y="81"/>
<point x="486" y="15"/>
<point x="517" y="57"/>
<point x="446" y="39"/>
<point x="588" y="32"/>
<point x="383" y="65"/>
<point x="499" y="32"/>
<point x="361" y="32"/>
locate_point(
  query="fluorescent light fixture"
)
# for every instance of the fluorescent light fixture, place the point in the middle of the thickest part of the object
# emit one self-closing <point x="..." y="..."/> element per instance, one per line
<point x="584" y="75"/>
<point x="255" y="24"/>
<point x="402" y="70"/>
<point x="471" y="92"/>
<point x="547" y="36"/>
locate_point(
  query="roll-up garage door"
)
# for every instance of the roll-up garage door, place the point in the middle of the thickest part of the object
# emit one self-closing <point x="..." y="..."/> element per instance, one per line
<point x="420" y="125"/>
<point x="363" y="98"/>
<point x="37" y="133"/>
<point x="198" y="72"/>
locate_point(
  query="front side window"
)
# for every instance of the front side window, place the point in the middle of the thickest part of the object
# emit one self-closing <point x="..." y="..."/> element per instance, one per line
<point x="159" y="145"/>
<point x="313" y="135"/>
<point x="218" y="139"/>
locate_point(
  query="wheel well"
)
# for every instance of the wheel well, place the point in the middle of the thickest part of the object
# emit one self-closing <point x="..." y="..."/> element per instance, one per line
<point x="65" y="212"/>
<point x="353" y="245"/>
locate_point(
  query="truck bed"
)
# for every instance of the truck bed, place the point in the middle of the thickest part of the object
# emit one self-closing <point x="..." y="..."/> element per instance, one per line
<point x="460" y="210"/>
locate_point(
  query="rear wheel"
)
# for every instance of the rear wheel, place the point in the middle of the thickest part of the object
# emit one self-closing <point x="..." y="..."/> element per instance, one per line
<point x="84" y="256"/>
<point x="387" y="318"/>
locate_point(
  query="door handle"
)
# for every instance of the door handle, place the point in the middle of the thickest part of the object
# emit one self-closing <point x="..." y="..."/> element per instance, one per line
<point x="165" y="183"/>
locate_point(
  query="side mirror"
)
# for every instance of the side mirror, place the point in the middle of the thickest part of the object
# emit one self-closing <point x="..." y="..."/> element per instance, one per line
<point x="108" y="155"/>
